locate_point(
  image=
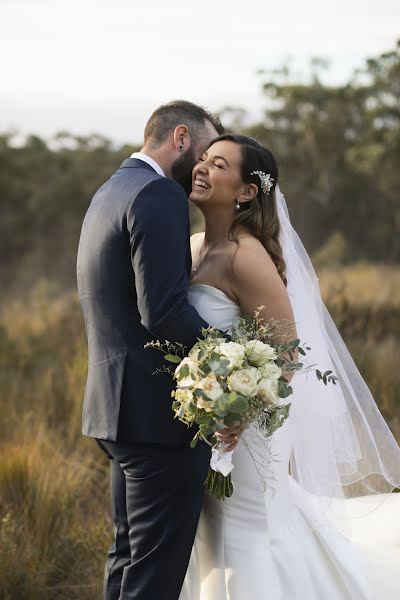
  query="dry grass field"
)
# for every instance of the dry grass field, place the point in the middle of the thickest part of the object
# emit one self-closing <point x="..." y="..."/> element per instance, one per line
<point x="54" y="514"/>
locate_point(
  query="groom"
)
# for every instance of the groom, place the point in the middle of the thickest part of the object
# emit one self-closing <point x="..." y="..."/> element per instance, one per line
<point x="133" y="270"/>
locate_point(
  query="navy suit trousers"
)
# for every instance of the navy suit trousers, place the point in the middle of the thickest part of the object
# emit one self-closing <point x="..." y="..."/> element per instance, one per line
<point x="157" y="494"/>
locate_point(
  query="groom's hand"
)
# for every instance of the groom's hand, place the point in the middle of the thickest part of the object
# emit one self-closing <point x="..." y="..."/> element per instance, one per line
<point x="230" y="436"/>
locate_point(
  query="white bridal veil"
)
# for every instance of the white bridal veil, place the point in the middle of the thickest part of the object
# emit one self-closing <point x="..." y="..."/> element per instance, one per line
<point x="342" y="446"/>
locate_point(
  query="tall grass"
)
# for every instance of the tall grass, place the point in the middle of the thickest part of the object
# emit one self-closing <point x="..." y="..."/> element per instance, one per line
<point x="54" y="521"/>
<point x="54" y="506"/>
<point x="53" y="525"/>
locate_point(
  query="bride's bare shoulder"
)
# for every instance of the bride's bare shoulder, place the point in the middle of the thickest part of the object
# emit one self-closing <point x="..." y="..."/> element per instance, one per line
<point x="251" y="259"/>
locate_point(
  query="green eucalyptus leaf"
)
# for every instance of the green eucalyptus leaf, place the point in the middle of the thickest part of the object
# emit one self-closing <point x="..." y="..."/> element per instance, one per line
<point x="284" y="389"/>
<point x="232" y="418"/>
<point x="203" y="420"/>
<point x="172" y="358"/>
<point x="239" y="405"/>
<point x="221" y="370"/>
<point x="220" y="412"/>
<point x="183" y="372"/>
<point x="223" y="401"/>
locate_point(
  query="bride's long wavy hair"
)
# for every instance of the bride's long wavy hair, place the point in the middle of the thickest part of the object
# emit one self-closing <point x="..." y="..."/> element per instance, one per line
<point x="259" y="216"/>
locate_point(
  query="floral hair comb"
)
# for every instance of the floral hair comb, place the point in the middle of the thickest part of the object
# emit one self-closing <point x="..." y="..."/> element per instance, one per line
<point x="266" y="180"/>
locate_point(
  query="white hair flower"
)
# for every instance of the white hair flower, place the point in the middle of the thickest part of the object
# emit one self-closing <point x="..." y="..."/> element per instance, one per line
<point x="266" y="180"/>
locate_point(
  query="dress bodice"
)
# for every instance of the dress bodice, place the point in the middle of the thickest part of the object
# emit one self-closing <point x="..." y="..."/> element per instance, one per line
<point x="213" y="305"/>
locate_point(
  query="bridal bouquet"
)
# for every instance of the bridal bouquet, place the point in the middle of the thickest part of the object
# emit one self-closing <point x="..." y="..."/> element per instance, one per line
<point x="220" y="383"/>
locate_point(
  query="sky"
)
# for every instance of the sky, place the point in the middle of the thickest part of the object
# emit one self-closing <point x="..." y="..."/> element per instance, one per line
<point x="102" y="66"/>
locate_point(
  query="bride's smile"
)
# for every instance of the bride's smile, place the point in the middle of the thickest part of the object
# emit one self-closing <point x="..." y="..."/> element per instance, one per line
<point x="217" y="179"/>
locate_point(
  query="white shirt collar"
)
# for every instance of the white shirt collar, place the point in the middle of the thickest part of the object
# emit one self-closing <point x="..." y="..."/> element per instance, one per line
<point x="150" y="161"/>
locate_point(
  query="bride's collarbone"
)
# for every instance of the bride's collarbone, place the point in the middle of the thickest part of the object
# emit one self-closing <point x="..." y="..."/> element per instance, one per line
<point x="217" y="258"/>
<point x="212" y="268"/>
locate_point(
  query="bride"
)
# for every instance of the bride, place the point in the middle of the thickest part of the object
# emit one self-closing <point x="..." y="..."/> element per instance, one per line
<point x="282" y="535"/>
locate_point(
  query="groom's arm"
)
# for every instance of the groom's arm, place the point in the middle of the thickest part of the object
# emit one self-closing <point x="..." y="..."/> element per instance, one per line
<point x="158" y="228"/>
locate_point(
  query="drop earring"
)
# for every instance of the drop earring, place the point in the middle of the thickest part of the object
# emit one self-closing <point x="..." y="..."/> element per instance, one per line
<point x="238" y="205"/>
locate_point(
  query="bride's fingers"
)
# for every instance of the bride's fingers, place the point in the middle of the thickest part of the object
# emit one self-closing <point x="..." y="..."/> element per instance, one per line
<point x="230" y="440"/>
<point x="233" y="444"/>
<point x="227" y="439"/>
<point x="230" y="436"/>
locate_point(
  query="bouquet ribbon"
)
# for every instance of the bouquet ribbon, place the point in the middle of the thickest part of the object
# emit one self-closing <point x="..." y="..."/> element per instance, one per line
<point x="220" y="461"/>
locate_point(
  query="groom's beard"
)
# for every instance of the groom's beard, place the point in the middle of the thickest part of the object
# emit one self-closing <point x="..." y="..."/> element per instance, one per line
<point x="182" y="168"/>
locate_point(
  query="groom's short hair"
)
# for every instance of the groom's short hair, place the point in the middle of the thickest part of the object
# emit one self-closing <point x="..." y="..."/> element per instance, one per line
<point x="168" y="116"/>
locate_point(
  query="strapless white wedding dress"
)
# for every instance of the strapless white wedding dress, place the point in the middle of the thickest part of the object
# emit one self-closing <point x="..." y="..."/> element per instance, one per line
<point x="267" y="542"/>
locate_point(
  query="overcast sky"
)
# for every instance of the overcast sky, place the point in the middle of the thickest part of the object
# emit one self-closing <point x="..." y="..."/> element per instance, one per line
<point x="104" y="65"/>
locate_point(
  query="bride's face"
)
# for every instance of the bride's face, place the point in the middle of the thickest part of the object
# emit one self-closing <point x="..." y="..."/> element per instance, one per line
<point x="216" y="177"/>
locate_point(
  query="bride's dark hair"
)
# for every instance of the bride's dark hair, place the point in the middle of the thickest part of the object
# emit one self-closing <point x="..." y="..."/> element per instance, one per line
<point x="259" y="216"/>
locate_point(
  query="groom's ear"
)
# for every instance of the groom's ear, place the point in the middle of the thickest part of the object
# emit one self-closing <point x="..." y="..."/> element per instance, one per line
<point x="181" y="138"/>
<point x="248" y="192"/>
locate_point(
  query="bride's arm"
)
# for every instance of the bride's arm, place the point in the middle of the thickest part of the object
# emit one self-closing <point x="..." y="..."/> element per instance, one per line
<point x="256" y="282"/>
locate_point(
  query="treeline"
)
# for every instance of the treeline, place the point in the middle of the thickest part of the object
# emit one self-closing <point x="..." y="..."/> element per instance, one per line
<point x="339" y="154"/>
<point x="45" y="189"/>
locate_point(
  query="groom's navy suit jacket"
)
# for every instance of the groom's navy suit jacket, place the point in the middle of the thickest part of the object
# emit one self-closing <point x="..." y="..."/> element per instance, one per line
<point x="133" y="270"/>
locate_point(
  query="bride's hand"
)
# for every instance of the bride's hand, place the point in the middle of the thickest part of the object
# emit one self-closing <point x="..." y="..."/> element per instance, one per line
<point x="230" y="436"/>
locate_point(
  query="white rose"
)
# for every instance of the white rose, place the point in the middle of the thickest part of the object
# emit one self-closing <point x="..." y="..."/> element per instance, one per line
<point x="243" y="381"/>
<point x="256" y="373"/>
<point x="234" y="352"/>
<point x="268" y="391"/>
<point x="207" y="405"/>
<point x="259" y="353"/>
<point x="210" y="386"/>
<point x="194" y="371"/>
<point x="270" y="371"/>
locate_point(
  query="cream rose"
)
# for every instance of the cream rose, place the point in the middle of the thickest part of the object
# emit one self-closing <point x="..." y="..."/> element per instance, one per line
<point x="184" y="396"/>
<point x="210" y="386"/>
<point x="188" y="380"/>
<point x="270" y="371"/>
<point x="207" y="405"/>
<point x="234" y="352"/>
<point x="259" y="353"/>
<point x="268" y="391"/>
<point x="243" y="381"/>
